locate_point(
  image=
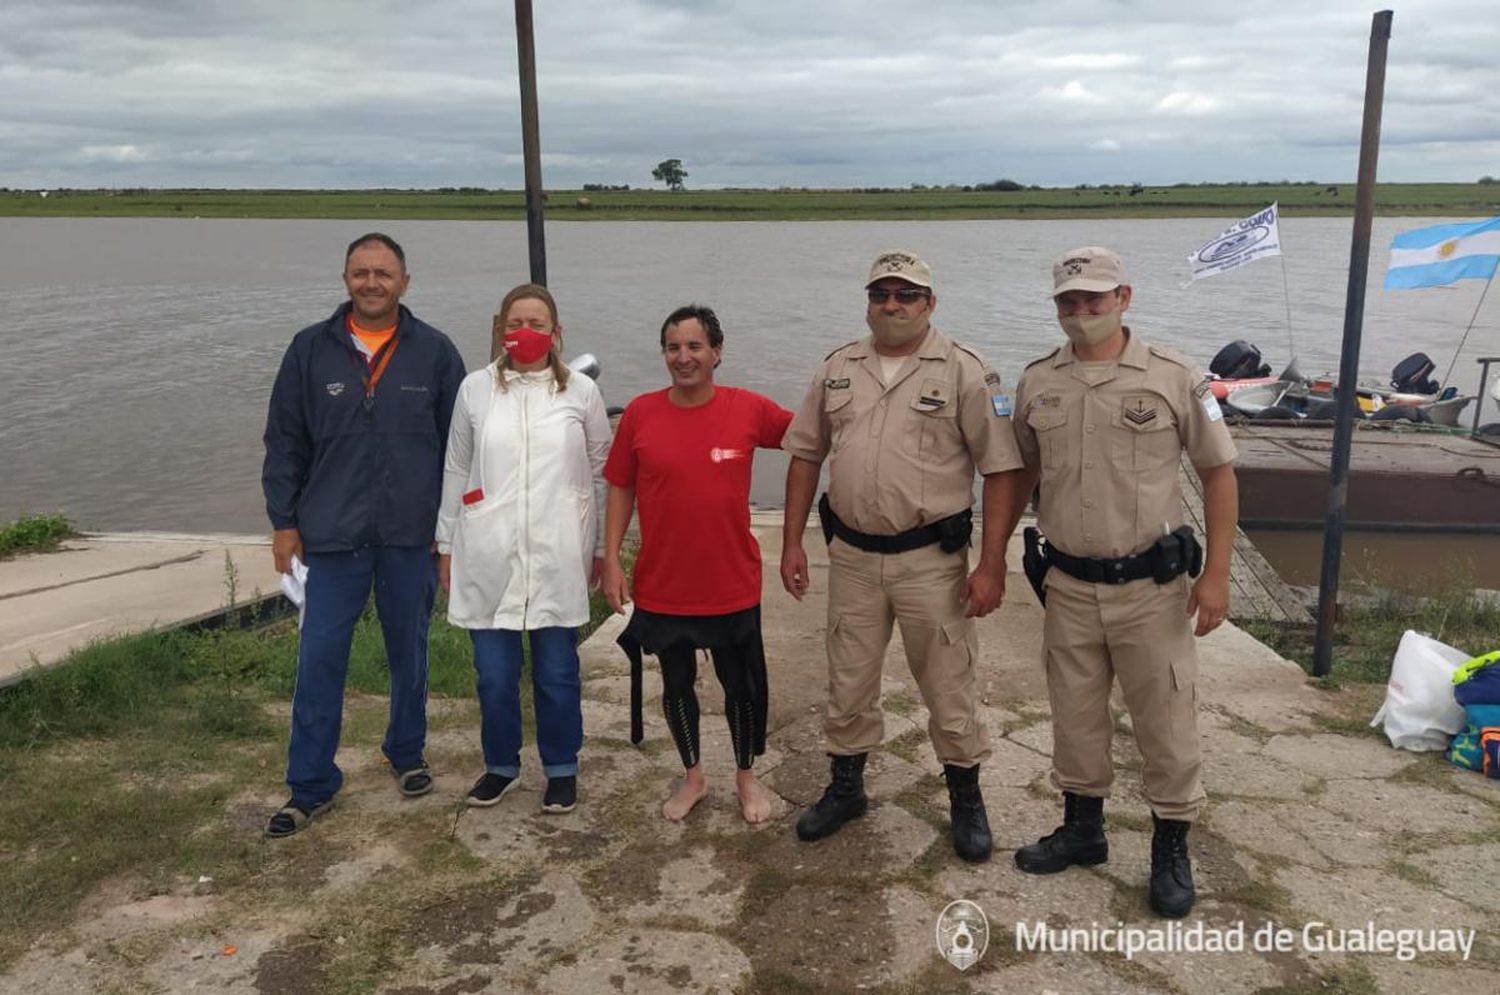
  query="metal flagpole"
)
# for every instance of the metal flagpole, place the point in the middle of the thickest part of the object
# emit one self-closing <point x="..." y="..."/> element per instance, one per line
<point x="1354" y="312"/>
<point x="1461" y="342"/>
<point x="1286" y="295"/>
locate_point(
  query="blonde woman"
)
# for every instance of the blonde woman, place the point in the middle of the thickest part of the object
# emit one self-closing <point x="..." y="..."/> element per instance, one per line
<point x="519" y="541"/>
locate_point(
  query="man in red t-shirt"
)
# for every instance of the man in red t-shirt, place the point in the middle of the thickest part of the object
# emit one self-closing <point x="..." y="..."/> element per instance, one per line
<point x="684" y="455"/>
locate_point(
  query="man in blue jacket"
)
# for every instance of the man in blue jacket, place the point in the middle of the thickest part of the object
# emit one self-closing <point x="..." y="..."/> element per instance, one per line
<point x="354" y="439"/>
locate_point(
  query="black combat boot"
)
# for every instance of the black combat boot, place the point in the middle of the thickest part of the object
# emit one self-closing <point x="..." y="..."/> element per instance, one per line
<point x="1171" y="871"/>
<point x="1079" y="840"/>
<point x="842" y="800"/>
<point x="971" y="825"/>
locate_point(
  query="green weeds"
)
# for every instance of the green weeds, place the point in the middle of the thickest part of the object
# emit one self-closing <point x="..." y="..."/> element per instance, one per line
<point x="122" y="761"/>
<point x="34" y="534"/>
<point x="1373" y="623"/>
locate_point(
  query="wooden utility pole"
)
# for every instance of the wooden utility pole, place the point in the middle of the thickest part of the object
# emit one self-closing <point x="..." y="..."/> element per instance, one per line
<point x="531" y="142"/>
<point x="1354" y="317"/>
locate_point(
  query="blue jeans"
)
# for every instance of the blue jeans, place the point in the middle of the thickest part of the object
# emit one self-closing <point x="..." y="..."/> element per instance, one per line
<point x="338" y="586"/>
<point x="556" y="692"/>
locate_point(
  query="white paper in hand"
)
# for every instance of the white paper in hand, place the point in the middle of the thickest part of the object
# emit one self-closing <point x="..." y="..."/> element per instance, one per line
<point x="294" y="586"/>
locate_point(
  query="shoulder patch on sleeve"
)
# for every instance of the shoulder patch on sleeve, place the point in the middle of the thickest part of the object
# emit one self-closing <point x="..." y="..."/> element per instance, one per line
<point x="1044" y="359"/>
<point x="1204" y="386"/>
<point x="992" y="378"/>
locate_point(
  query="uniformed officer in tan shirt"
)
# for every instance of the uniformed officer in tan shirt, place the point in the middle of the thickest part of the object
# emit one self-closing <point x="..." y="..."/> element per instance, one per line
<point x="1102" y="422"/>
<point x="904" y="417"/>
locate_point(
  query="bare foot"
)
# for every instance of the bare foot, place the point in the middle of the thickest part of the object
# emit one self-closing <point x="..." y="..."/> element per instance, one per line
<point x="689" y="793"/>
<point x="756" y="803"/>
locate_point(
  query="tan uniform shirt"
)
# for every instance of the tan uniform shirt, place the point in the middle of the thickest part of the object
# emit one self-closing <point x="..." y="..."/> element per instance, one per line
<point x="1109" y="445"/>
<point x="903" y="454"/>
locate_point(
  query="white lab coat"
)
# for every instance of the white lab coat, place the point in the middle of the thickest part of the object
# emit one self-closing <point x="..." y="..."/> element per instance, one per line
<point x="523" y="552"/>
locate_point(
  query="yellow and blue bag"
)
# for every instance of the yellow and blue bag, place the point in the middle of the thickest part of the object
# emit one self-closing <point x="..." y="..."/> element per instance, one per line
<point x="1477" y="682"/>
<point x="1467" y="750"/>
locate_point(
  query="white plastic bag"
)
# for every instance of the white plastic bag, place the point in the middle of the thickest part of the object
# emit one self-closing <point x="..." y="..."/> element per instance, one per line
<point x="1419" y="711"/>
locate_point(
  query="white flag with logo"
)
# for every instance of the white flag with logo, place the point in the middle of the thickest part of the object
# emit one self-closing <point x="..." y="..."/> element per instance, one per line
<point x="1242" y="242"/>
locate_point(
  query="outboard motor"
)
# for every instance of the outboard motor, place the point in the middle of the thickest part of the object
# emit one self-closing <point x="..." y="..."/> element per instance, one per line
<point x="1239" y="360"/>
<point x="1413" y="375"/>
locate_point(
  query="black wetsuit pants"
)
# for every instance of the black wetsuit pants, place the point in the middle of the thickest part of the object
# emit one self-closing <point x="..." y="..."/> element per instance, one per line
<point x="744" y="709"/>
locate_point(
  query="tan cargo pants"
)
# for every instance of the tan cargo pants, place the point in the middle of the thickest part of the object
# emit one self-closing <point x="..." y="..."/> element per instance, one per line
<point x="920" y="591"/>
<point x="1139" y="632"/>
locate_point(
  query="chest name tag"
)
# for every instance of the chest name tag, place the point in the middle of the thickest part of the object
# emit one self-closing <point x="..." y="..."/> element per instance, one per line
<point x="1001" y="404"/>
<point x="1211" y="405"/>
<point x="842" y="383"/>
<point x="934" y="395"/>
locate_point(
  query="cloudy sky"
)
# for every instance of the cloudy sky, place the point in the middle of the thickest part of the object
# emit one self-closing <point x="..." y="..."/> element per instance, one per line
<point x="423" y="93"/>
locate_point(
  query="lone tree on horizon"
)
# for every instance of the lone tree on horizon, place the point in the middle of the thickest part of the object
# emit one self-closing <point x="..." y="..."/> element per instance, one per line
<point x="670" y="172"/>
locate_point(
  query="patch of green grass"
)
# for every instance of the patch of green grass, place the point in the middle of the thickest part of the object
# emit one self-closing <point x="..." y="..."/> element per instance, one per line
<point x="1304" y="199"/>
<point x="1125" y="820"/>
<point x="120" y="761"/>
<point x="125" y="806"/>
<point x="1411" y="872"/>
<point x="34" y="534"/>
<point x="1373" y="622"/>
<point x="1263" y="895"/>
<point x="1345" y="724"/>
<point x="899" y="703"/>
<point x="1430" y="770"/>
<point x="907" y="744"/>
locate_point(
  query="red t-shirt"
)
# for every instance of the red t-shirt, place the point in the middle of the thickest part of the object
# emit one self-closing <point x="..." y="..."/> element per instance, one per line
<point x="690" y="468"/>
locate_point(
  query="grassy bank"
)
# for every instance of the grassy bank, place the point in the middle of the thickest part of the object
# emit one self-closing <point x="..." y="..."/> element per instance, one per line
<point x="136" y="766"/>
<point x="34" y="534"/>
<point x="947" y="203"/>
<point x="1372" y="623"/>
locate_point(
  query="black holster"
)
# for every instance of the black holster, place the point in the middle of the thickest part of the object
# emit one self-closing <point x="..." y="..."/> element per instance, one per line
<point x="1176" y="553"/>
<point x="955" y="531"/>
<point x="1034" y="562"/>
<point x="825" y="519"/>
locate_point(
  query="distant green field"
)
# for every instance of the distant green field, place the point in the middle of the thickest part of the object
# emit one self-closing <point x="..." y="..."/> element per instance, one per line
<point x="1296" y="199"/>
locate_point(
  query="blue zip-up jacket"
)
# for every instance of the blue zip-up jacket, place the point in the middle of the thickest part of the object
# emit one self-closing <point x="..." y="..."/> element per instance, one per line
<point x="346" y="476"/>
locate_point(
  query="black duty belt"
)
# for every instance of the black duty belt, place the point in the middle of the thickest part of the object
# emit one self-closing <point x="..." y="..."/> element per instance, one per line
<point x="1170" y="556"/>
<point x="951" y="533"/>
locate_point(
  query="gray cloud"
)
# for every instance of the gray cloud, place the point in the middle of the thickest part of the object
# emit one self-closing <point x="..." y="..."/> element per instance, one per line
<point x="358" y="93"/>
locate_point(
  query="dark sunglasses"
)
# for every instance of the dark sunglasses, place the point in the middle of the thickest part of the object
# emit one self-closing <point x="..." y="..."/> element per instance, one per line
<point x="905" y="295"/>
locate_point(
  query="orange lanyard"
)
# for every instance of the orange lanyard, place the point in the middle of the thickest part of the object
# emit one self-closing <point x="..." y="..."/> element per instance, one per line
<point x="371" y="372"/>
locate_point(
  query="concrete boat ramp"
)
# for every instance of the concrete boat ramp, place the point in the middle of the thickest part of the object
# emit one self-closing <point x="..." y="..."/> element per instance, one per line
<point x="107" y="584"/>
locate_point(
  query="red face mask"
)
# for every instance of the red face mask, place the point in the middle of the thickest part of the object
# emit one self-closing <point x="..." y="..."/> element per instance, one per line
<point x="526" y="345"/>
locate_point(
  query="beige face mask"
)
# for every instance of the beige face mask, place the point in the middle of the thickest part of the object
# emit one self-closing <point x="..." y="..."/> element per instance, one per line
<point x="895" y="330"/>
<point x="1090" y="329"/>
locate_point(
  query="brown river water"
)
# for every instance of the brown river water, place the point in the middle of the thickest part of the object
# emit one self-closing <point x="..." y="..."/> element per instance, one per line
<point x="138" y="353"/>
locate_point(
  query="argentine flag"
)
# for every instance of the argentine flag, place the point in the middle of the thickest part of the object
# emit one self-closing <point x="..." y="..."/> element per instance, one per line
<point x="1431" y="257"/>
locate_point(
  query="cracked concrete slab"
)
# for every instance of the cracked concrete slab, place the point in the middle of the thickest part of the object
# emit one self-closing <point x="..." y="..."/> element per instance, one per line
<point x="1332" y="757"/>
<point x="1303" y="824"/>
